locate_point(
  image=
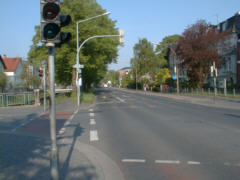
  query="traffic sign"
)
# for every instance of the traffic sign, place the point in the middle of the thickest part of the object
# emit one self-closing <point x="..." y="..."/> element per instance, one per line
<point x="80" y="66"/>
<point x="174" y="77"/>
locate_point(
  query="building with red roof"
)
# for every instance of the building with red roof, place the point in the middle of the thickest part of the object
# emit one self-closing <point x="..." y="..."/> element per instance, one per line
<point x="13" y="70"/>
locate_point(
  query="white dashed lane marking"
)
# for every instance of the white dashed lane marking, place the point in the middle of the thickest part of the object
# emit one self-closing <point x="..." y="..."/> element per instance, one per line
<point x="92" y="122"/>
<point x="91" y="114"/>
<point x="134" y="160"/>
<point x="167" y="162"/>
<point x="94" y="135"/>
<point x="193" y="163"/>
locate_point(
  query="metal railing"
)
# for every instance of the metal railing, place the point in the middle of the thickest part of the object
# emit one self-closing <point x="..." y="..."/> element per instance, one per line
<point x="15" y="99"/>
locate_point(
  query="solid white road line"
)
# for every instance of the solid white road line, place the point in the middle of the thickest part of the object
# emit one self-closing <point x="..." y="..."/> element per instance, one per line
<point x="94" y="136"/>
<point x="92" y="122"/>
<point x="166" y="162"/>
<point x="91" y="114"/>
<point x="134" y="160"/>
<point x="193" y="162"/>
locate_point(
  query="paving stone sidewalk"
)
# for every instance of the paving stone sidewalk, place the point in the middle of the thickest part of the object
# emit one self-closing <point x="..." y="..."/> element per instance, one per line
<point x="26" y="156"/>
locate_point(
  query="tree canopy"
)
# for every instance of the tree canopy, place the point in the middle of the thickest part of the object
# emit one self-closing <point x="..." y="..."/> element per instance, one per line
<point x="163" y="46"/>
<point x="145" y="61"/>
<point x="95" y="54"/>
<point x="3" y="81"/>
<point x="198" y="47"/>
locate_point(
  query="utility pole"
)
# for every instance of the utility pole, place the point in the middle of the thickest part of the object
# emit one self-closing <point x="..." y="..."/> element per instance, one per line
<point x="54" y="149"/>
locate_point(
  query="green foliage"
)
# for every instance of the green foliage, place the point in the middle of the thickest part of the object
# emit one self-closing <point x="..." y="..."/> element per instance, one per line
<point x="163" y="47"/>
<point x="3" y="81"/>
<point x="29" y="79"/>
<point x="162" y="75"/>
<point x="126" y="81"/>
<point x="112" y="76"/>
<point x="145" y="59"/>
<point x="95" y="54"/>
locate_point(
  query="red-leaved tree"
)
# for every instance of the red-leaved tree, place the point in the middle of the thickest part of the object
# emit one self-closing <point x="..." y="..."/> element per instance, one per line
<point x="198" y="48"/>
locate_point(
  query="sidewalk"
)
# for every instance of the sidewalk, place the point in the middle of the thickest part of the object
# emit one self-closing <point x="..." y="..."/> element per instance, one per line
<point x="27" y="156"/>
<point x="209" y="101"/>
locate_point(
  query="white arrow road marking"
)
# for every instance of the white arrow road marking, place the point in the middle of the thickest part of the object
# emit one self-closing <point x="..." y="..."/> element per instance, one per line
<point x="94" y="136"/>
<point x="121" y="100"/>
<point x="134" y="160"/>
<point x="166" y="162"/>
<point x="92" y="122"/>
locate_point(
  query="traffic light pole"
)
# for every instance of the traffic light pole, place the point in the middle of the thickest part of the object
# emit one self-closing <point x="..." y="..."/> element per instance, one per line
<point x="54" y="150"/>
<point x="44" y="86"/>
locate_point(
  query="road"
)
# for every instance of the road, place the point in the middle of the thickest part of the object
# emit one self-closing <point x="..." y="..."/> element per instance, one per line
<point x="150" y="137"/>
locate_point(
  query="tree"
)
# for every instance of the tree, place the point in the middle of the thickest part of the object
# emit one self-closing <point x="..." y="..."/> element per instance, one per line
<point x="162" y="75"/>
<point x="126" y="81"/>
<point x="145" y="61"/>
<point x="95" y="54"/>
<point x="198" y="48"/>
<point x="3" y="81"/>
<point x="112" y="76"/>
<point x="30" y="80"/>
<point x="163" y="46"/>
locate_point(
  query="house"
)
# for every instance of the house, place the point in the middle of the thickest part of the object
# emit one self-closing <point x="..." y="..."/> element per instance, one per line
<point x="230" y="62"/>
<point x="123" y="72"/>
<point x="229" y="68"/>
<point x="13" y="70"/>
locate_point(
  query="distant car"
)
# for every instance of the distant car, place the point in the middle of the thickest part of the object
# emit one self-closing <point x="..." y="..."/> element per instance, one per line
<point x="105" y="85"/>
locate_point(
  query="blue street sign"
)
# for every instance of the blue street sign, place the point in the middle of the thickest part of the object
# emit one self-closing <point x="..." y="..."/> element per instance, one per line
<point x="174" y="77"/>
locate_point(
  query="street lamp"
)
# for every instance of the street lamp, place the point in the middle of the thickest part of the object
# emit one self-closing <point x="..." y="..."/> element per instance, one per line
<point x="78" y="66"/>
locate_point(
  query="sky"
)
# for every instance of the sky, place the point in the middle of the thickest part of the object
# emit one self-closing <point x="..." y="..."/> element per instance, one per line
<point x="151" y="19"/>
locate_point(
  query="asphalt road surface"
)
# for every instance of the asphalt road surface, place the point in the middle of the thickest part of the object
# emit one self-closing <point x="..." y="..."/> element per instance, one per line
<point x="158" y="138"/>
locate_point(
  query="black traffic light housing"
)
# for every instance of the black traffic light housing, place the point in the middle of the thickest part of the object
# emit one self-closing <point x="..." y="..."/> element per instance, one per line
<point x="40" y="72"/>
<point x="52" y="21"/>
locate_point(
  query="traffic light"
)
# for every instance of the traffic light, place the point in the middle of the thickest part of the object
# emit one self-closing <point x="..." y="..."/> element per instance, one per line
<point x="121" y="36"/>
<point x="52" y="21"/>
<point x="40" y="72"/>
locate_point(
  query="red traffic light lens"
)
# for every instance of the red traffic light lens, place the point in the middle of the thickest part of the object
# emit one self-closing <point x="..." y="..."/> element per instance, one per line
<point x="50" y="31"/>
<point x="50" y="11"/>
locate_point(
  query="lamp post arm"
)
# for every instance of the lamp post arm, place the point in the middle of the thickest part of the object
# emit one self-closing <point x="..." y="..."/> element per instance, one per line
<point x="93" y="17"/>
<point x="93" y="37"/>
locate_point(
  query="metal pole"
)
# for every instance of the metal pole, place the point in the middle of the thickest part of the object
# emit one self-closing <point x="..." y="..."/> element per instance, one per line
<point x="225" y="87"/>
<point x="44" y="86"/>
<point x="177" y="76"/>
<point x="77" y="71"/>
<point x="136" y="77"/>
<point x="54" y="150"/>
<point x="215" y="88"/>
